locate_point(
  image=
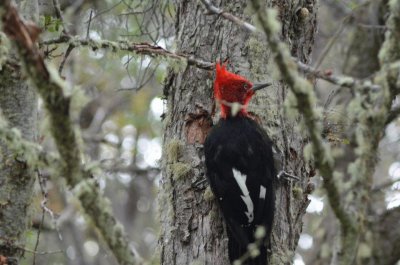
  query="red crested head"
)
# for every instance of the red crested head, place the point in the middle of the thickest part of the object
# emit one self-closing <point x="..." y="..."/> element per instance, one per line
<point x="230" y="88"/>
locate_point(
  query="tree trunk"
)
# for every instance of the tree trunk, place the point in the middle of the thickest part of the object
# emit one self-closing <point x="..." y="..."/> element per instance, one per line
<point x="192" y="226"/>
<point x="18" y="103"/>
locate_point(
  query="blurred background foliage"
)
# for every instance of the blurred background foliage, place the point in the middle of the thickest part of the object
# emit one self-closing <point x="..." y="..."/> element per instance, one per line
<point x="118" y="107"/>
<point x="117" y="104"/>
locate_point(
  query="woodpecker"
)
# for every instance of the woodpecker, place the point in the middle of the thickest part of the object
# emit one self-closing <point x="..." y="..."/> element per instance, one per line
<point x="240" y="167"/>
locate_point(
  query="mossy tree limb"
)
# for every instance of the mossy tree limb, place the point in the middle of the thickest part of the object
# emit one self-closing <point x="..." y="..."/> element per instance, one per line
<point x="157" y="51"/>
<point x="305" y="101"/>
<point x="51" y="88"/>
<point x="386" y="247"/>
<point x="372" y="108"/>
<point x="137" y="48"/>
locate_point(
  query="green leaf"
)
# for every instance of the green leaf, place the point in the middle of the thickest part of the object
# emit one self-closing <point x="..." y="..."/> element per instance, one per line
<point x="47" y="20"/>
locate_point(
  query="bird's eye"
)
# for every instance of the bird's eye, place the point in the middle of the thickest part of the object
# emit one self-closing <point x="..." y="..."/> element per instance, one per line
<point x="245" y="86"/>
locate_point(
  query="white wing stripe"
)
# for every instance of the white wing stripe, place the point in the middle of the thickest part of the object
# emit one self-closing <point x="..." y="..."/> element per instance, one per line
<point x="263" y="191"/>
<point x="241" y="181"/>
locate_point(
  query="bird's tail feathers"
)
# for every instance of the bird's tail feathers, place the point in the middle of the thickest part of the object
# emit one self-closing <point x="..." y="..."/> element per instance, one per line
<point x="239" y="240"/>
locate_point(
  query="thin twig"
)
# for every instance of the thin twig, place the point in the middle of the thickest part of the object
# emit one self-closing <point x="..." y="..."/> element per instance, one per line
<point x="43" y="203"/>
<point x="346" y="20"/>
<point x="34" y="252"/>
<point x="90" y="22"/>
<point x="138" y="48"/>
<point x="331" y="42"/>
<point x="57" y="9"/>
<point x="140" y="12"/>
<point x="217" y="11"/>
<point x="385" y="185"/>
<point x="368" y="26"/>
<point x="343" y="81"/>
<point x="105" y="11"/>
<point x="67" y="53"/>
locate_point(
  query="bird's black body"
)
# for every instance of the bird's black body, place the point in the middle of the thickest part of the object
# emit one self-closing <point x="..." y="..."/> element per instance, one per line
<point x="238" y="152"/>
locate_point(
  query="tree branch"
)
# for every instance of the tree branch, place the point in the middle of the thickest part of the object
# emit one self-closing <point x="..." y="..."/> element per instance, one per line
<point x="390" y="50"/>
<point x="305" y="98"/>
<point x="31" y="152"/>
<point x="50" y="86"/>
<point x="343" y="81"/>
<point x="57" y="10"/>
<point x="217" y="11"/>
<point x="154" y="51"/>
<point x="386" y="239"/>
<point x="138" y="48"/>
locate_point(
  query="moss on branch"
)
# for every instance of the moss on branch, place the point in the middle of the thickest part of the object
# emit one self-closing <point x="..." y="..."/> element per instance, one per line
<point x="25" y="150"/>
<point x="137" y="48"/>
<point x="305" y="103"/>
<point x="51" y="88"/>
<point x="390" y="50"/>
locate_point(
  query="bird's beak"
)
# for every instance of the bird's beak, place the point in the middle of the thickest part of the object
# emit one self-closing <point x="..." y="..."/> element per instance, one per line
<point x="260" y="86"/>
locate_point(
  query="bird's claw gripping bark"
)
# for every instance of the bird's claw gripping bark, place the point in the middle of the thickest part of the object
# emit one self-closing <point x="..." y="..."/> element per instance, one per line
<point x="287" y="176"/>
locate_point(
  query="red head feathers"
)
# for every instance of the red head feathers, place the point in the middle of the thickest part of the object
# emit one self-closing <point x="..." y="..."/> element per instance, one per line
<point x="230" y="88"/>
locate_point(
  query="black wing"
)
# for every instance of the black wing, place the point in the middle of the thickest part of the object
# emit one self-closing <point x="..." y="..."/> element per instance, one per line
<point x="240" y="171"/>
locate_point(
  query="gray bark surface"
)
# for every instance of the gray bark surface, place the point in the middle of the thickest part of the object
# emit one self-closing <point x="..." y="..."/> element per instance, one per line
<point x="192" y="226"/>
<point x="18" y="104"/>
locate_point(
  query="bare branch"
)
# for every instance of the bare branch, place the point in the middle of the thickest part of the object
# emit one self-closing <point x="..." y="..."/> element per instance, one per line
<point x="332" y="41"/>
<point x="345" y="81"/>
<point x="346" y="20"/>
<point x="154" y="50"/>
<point x="215" y="10"/>
<point x="385" y="185"/>
<point x="57" y="9"/>
<point x="88" y="27"/>
<point x="138" y="48"/>
<point x="66" y="54"/>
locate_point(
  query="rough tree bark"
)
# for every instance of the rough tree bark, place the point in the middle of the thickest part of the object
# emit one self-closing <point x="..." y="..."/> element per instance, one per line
<point x="192" y="227"/>
<point x="18" y="103"/>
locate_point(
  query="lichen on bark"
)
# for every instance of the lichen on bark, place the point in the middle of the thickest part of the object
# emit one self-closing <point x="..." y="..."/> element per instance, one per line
<point x="18" y="103"/>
